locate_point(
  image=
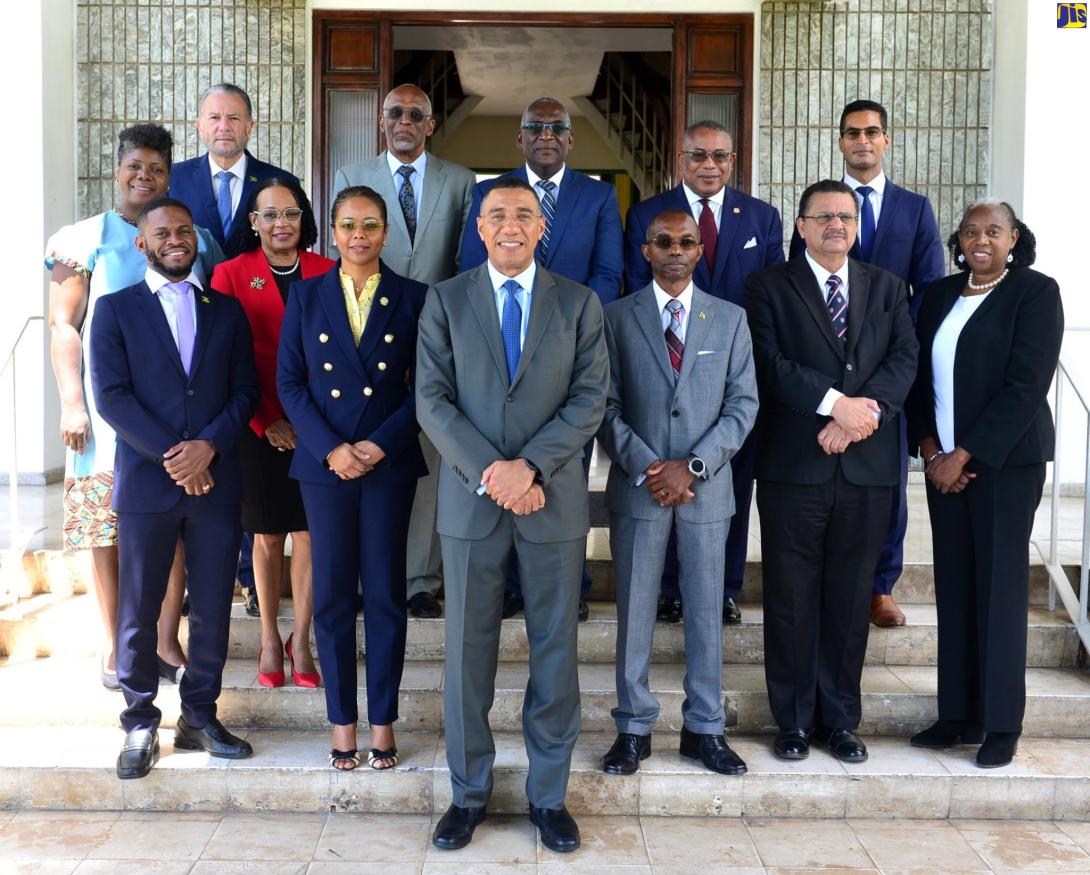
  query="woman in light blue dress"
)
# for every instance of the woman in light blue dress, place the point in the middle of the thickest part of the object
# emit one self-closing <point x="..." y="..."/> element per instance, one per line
<point x="87" y="260"/>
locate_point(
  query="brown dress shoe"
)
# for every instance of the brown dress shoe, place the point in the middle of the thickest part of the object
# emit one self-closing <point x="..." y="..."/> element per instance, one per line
<point x="884" y="612"/>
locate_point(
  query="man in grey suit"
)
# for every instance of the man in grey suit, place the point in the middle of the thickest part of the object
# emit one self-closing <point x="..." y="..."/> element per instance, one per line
<point x="428" y="201"/>
<point x="511" y="381"/>
<point x="682" y="398"/>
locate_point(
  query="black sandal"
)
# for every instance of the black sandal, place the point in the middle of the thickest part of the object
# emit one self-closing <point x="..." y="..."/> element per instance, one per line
<point x="375" y="754"/>
<point x="352" y="755"/>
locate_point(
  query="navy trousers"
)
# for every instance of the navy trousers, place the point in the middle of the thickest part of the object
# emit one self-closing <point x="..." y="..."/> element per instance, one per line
<point x="245" y="573"/>
<point x="358" y="533"/>
<point x="210" y="536"/>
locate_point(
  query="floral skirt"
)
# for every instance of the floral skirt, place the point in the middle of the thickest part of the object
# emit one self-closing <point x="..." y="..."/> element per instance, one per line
<point x="89" y="519"/>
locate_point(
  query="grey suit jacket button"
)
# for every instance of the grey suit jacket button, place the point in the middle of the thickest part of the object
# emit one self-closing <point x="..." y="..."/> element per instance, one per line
<point x="510" y="397"/>
<point x="849" y="366"/>
<point x="675" y="413"/>
<point x="190" y="393"/>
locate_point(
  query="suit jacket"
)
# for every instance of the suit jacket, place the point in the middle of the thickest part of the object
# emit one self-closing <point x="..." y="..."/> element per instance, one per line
<point x="142" y="391"/>
<point x="707" y="411"/>
<point x="906" y="241"/>
<point x="1006" y="356"/>
<point x="585" y="242"/>
<point x="335" y="392"/>
<point x="744" y="219"/>
<point x="448" y="193"/>
<point x="547" y="413"/>
<point x="799" y="358"/>
<point x="248" y="278"/>
<point x="191" y="183"/>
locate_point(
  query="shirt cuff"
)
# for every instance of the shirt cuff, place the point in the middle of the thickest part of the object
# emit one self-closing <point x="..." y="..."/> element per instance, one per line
<point x="825" y="408"/>
<point x="481" y="489"/>
<point x="640" y="479"/>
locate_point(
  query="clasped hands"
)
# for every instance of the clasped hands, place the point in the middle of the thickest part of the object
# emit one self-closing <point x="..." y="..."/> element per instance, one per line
<point x="187" y="464"/>
<point x="669" y="482"/>
<point x="511" y="485"/>
<point x="349" y="461"/>
<point x="946" y="471"/>
<point x="854" y="420"/>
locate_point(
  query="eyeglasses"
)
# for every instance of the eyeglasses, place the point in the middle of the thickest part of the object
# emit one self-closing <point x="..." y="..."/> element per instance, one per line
<point x="395" y="113"/>
<point x="368" y="226"/>
<point x="699" y="156"/>
<point x="666" y="243"/>
<point x="523" y="219"/>
<point x="536" y="129"/>
<point x="826" y="218"/>
<point x="271" y="216"/>
<point x="871" y="133"/>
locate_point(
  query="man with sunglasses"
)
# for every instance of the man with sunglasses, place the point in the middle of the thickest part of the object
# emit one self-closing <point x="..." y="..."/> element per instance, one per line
<point x="582" y="239"/>
<point x="835" y="354"/>
<point x="897" y="232"/>
<point x="740" y="234"/>
<point x="428" y="200"/>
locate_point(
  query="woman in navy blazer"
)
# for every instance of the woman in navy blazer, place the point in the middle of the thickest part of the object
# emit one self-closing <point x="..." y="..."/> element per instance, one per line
<point x="989" y="342"/>
<point x="344" y="376"/>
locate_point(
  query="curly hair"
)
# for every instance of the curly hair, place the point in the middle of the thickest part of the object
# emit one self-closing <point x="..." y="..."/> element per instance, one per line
<point x="153" y="137"/>
<point x="245" y="239"/>
<point x="1024" y="252"/>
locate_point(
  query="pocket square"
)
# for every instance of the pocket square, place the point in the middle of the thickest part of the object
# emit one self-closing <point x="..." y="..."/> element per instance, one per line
<point x="750" y="243"/>
<point x="708" y="352"/>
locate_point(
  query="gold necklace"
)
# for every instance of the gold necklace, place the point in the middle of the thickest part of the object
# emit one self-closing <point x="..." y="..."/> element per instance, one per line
<point x="124" y="218"/>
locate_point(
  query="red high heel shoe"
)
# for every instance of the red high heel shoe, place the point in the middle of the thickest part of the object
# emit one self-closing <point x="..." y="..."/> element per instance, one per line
<point x="269" y="678"/>
<point x="301" y="678"/>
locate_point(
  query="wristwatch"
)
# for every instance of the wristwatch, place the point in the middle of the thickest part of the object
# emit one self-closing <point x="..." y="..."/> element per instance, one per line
<point x="534" y="468"/>
<point x="697" y="467"/>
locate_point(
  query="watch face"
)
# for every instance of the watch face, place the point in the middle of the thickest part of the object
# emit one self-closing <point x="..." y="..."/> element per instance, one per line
<point x="696" y="466"/>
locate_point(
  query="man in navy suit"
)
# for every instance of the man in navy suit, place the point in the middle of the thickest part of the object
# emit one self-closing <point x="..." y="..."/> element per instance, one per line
<point x="740" y="235"/>
<point x="582" y="239"/>
<point x="173" y="374"/>
<point x="898" y="232"/>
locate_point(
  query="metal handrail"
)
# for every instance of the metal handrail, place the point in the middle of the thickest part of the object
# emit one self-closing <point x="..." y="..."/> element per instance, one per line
<point x="618" y="78"/>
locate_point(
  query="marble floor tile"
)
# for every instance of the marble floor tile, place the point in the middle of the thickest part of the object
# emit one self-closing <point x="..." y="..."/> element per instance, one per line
<point x="577" y="867"/>
<point x="395" y="838"/>
<point x="1012" y="846"/>
<point x="247" y="867"/>
<point x="500" y="839"/>
<point x="612" y="841"/>
<point x="441" y="868"/>
<point x="1079" y="831"/>
<point x="704" y="842"/>
<point x="176" y="840"/>
<point x="357" y="868"/>
<point x="798" y="844"/>
<point x="133" y="867"/>
<point x="38" y="867"/>
<point x="265" y="837"/>
<point x="919" y="844"/>
<point x="37" y="835"/>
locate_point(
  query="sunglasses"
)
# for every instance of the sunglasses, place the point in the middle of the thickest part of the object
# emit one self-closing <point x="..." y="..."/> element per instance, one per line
<point x="395" y="113"/>
<point x="536" y="129"/>
<point x="699" y="156"/>
<point x="368" y="226"/>
<point x="666" y="243"/>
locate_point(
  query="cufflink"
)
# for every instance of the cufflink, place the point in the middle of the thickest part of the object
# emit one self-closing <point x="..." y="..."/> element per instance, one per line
<point x="336" y="393"/>
<point x="327" y="366"/>
<point x="382" y="366"/>
<point x="389" y="338"/>
<point x="368" y="391"/>
<point x="323" y="337"/>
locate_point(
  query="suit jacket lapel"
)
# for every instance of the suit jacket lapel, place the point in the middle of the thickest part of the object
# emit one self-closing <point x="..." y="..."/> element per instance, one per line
<point x="858" y="292"/>
<point x="696" y="330"/>
<point x="249" y="183"/>
<point x="568" y="195"/>
<point x="331" y="295"/>
<point x="890" y="202"/>
<point x="384" y="185"/>
<point x="157" y="319"/>
<point x="542" y="303"/>
<point x="805" y="285"/>
<point x="482" y="298"/>
<point x="729" y="221"/>
<point x="388" y="290"/>
<point x="435" y="178"/>
<point x="649" y="319"/>
<point x="205" y="325"/>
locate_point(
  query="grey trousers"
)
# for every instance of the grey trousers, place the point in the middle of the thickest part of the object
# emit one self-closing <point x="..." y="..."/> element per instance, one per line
<point x="423" y="557"/>
<point x="639" y="549"/>
<point x="475" y="575"/>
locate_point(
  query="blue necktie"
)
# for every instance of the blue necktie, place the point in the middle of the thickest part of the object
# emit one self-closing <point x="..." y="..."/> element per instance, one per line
<point x="512" y="328"/>
<point x="548" y="209"/>
<point x="867" y="224"/>
<point x="223" y="201"/>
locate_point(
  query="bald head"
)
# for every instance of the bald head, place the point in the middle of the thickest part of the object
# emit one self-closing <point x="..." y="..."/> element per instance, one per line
<point x="545" y="136"/>
<point x="406" y="122"/>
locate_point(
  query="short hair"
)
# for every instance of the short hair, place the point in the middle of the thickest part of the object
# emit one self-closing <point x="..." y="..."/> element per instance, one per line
<point x="1024" y="252"/>
<point x="227" y="88"/>
<point x="154" y="137"/>
<point x="357" y="191"/>
<point x="533" y="103"/>
<point x="427" y="99"/>
<point x="159" y="203"/>
<point x="668" y="214"/>
<point x="824" y="186"/>
<point x="707" y="125"/>
<point x="243" y="237"/>
<point x="864" y="106"/>
<point x="508" y="183"/>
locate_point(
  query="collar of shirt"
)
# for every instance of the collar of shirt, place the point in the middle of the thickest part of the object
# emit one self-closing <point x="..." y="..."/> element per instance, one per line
<point x="524" y="279"/>
<point x="156" y="280"/>
<point x="237" y="170"/>
<point x="879" y="186"/>
<point x="662" y="299"/>
<point x="823" y="275"/>
<point x="715" y="202"/>
<point x="419" y="165"/>
<point x="534" y="179"/>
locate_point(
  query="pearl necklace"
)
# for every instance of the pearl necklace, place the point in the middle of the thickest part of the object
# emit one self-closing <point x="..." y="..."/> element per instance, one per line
<point x="991" y="285"/>
<point x="287" y="272"/>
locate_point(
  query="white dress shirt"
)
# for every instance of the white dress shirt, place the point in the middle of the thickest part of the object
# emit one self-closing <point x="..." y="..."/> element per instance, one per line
<point x="419" y="167"/>
<point x="238" y="177"/>
<point x="715" y="204"/>
<point x="662" y="299"/>
<point x="169" y="300"/>
<point x="535" y="181"/>
<point x="825" y="408"/>
<point x="943" y="355"/>
<point x="875" y="197"/>
<point x="524" y="279"/>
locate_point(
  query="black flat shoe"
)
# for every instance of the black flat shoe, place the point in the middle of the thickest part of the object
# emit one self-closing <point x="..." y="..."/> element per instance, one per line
<point x="997" y="750"/>
<point x="844" y="745"/>
<point x="172" y="674"/>
<point x="558" y="829"/>
<point x="253" y="609"/>
<point x="669" y="611"/>
<point x="792" y="744"/>
<point x="455" y="828"/>
<point x="138" y="754"/>
<point x="624" y="757"/>
<point x="584" y="610"/>
<point x="425" y="606"/>
<point x="713" y="751"/>
<point x="213" y="738"/>
<point x="947" y="733"/>
<point x="732" y="614"/>
<point x="512" y="604"/>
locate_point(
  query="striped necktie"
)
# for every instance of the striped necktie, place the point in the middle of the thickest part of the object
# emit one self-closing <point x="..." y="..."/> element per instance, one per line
<point x="673" y="336"/>
<point x="548" y="209"/>
<point x="838" y="307"/>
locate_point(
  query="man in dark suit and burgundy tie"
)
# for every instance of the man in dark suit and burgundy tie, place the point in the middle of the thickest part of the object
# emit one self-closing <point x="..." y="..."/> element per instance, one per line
<point x="173" y="374"/>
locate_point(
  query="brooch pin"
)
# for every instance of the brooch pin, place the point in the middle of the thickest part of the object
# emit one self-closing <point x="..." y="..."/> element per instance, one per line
<point x="701" y="314"/>
<point x="257" y="282"/>
<point x="204" y="300"/>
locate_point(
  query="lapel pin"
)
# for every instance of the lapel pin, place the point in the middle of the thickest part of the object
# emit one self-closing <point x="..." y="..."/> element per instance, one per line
<point x="384" y="301"/>
<point x="257" y="283"/>
<point x="253" y="179"/>
<point x="701" y="315"/>
<point x="204" y="299"/>
<point x="737" y="209"/>
<point x="323" y="337"/>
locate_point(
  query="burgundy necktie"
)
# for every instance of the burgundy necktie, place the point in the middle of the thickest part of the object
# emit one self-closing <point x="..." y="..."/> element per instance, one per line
<point x="673" y="336"/>
<point x="709" y="234"/>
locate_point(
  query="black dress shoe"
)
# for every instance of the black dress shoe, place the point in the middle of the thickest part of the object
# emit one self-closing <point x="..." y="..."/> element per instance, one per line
<point x="997" y="750"/>
<point x="425" y="606"/>
<point x="172" y="674"/>
<point x="669" y="611"/>
<point x="625" y="755"/>
<point x="947" y="733"/>
<point x="213" y="738"/>
<point x="713" y="751"/>
<point x="512" y="604"/>
<point x="844" y="745"/>
<point x="138" y="754"/>
<point x="732" y="614"/>
<point x="455" y="828"/>
<point x="792" y="744"/>
<point x="559" y="831"/>
<point x="253" y="609"/>
<point x="584" y="610"/>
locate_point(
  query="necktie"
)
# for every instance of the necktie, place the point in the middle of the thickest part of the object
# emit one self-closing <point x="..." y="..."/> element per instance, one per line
<point x="548" y="209"/>
<point x="867" y="225"/>
<point x="407" y="198"/>
<point x="223" y="201"/>
<point x="512" y="328"/>
<point x="187" y="331"/>
<point x="709" y="234"/>
<point x="673" y="336"/>
<point x="838" y="307"/>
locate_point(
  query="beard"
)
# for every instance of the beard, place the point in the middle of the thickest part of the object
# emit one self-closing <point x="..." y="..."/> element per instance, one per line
<point x="171" y="273"/>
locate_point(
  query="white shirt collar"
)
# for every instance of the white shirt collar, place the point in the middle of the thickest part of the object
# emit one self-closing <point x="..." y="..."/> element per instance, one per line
<point x="418" y="165"/>
<point x="715" y="200"/>
<point x="238" y="169"/>
<point x="823" y="275"/>
<point x="662" y="298"/>
<point x="534" y="179"/>
<point x="878" y="183"/>
<point x="156" y="280"/>
<point x="524" y="279"/>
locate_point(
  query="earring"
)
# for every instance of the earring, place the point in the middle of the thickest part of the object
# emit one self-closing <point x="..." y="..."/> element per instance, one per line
<point x="255" y="231"/>
<point x="961" y="257"/>
<point x="1010" y="257"/>
<point x="384" y="242"/>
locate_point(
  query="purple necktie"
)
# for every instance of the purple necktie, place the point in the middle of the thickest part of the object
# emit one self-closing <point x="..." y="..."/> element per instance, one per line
<point x="187" y="331"/>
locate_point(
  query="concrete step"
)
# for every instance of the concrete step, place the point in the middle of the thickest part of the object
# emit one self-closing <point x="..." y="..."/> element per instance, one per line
<point x="56" y="768"/>
<point x="897" y="700"/>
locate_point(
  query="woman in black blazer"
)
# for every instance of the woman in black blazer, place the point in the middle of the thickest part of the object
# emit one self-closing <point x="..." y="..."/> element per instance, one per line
<point x="989" y="342"/>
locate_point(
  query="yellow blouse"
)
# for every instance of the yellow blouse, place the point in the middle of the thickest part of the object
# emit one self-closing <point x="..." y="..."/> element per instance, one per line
<point x="358" y="308"/>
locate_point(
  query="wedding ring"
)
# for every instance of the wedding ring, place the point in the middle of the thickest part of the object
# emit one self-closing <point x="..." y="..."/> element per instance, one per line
<point x="662" y="492"/>
<point x="206" y="488"/>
